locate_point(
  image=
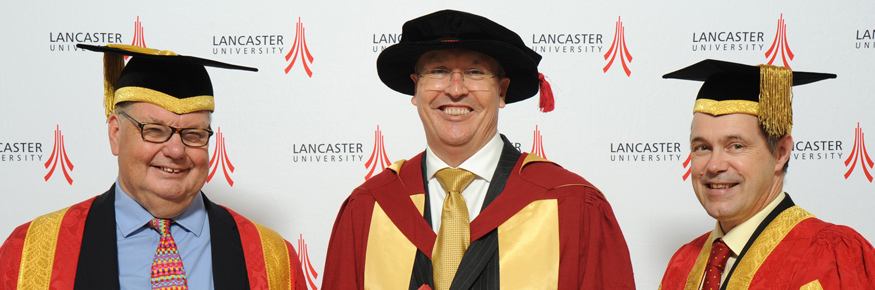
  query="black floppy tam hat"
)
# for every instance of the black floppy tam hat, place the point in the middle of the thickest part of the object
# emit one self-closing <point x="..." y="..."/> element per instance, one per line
<point x="450" y="29"/>
<point x="764" y="91"/>
<point x="174" y="82"/>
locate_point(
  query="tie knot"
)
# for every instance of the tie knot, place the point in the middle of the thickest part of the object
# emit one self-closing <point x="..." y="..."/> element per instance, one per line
<point x="454" y="179"/>
<point x="161" y="225"/>
<point x="719" y="254"/>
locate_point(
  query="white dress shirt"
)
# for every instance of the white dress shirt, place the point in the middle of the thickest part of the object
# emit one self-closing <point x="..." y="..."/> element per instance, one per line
<point x="482" y="164"/>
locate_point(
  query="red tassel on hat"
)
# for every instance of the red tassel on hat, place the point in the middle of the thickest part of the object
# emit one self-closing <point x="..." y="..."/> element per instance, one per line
<point x="547" y="103"/>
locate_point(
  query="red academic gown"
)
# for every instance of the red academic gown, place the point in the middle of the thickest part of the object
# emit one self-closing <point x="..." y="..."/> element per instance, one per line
<point x="75" y="248"/>
<point x="791" y="249"/>
<point x="541" y="227"/>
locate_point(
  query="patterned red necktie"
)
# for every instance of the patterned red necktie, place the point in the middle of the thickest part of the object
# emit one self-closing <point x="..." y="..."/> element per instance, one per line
<point x="167" y="270"/>
<point x="716" y="263"/>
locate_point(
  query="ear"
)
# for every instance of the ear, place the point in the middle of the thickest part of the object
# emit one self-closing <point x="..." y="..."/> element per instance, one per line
<point x="415" y="79"/>
<point x="782" y="153"/>
<point x="502" y="91"/>
<point x="114" y="132"/>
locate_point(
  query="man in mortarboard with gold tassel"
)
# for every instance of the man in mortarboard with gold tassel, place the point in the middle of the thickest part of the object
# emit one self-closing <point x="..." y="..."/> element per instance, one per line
<point x="740" y="148"/>
<point x="154" y="228"/>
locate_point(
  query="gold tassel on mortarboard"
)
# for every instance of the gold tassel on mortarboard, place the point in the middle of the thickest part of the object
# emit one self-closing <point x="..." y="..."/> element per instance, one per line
<point x="775" y="100"/>
<point x="113" y="64"/>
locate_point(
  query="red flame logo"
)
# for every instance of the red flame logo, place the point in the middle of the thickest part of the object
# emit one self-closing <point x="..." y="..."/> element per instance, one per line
<point x="859" y="152"/>
<point x="618" y="46"/>
<point x="220" y="156"/>
<point x="300" y="47"/>
<point x="780" y="44"/>
<point x="59" y="154"/>
<point x="538" y="144"/>
<point x="306" y="266"/>
<point x="138" y="36"/>
<point x="378" y="155"/>
<point x="686" y="164"/>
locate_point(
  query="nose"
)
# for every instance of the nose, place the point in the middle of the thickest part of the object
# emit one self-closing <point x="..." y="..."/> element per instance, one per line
<point x="456" y="88"/>
<point x="173" y="148"/>
<point x="716" y="162"/>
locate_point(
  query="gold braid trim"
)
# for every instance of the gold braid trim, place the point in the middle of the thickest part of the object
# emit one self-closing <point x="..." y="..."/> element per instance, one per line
<point x="171" y="103"/>
<point x="276" y="258"/>
<point x="776" y="99"/>
<point x="695" y="277"/>
<point x="718" y="108"/>
<point x="767" y="241"/>
<point x="38" y="252"/>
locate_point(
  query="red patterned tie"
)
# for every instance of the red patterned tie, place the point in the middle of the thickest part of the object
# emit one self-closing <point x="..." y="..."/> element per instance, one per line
<point x="167" y="270"/>
<point x="716" y="263"/>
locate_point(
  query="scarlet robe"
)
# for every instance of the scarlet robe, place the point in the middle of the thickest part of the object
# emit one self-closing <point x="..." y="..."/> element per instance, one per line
<point x="791" y="249"/>
<point x="75" y="248"/>
<point x="541" y="227"/>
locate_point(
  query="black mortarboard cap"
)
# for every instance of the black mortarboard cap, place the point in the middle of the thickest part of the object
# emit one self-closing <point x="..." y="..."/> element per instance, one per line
<point x="175" y="82"/>
<point x="764" y="91"/>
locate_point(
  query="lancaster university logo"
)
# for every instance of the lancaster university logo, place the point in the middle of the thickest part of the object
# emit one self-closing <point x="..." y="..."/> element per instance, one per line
<point x="221" y="156"/>
<point x="378" y="155"/>
<point x="306" y="266"/>
<point x="859" y="152"/>
<point x="687" y="166"/>
<point x="59" y="155"/>
<point x="780" y="44"/>
<point x="138" y="36"/>
<point x="619" y="47"/>
<point x="538" y="144"/>
<point x="300" y="48"/>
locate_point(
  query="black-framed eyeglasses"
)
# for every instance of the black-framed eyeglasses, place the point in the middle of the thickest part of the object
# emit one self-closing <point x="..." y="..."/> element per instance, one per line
<point x="160" y="133"/>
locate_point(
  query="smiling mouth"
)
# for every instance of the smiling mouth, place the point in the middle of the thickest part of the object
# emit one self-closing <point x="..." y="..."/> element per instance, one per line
<point x="169" y="170"/>
<point x="455" y="111"/>
<point x="720" y="186"/>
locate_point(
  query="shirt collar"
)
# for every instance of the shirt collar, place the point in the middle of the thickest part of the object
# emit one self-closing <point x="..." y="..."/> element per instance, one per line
<point x="482" y="163"/>
<point x="736" y="238"/>
<point x="130" y="216"/>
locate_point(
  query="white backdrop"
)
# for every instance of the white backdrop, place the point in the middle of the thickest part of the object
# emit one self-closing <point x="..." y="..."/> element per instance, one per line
<point x="269" y="119"/>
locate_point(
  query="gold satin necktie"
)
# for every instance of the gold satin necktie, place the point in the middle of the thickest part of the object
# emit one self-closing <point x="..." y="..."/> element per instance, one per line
<point x="454" y="235"/>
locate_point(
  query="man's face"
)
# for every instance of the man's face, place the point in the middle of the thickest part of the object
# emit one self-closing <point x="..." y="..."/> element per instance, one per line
<point x="458" y="115"/>
<point x="162" y="177"/>
<point x="733" y="173"/>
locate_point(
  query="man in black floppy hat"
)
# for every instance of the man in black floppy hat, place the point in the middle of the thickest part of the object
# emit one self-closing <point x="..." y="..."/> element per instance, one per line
<point x="471" y="212"/>
<point x="740" y="146"/>
<point x="154" y="227"/>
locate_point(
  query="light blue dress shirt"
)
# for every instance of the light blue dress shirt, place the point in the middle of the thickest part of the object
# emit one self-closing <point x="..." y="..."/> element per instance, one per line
<point x="137" y="243"/>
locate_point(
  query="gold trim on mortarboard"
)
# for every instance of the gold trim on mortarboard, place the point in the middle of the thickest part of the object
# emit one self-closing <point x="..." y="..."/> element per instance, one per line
<point x="718" y="108"/>
<point x="113" y="64"/>
<point x="171" y="103"/>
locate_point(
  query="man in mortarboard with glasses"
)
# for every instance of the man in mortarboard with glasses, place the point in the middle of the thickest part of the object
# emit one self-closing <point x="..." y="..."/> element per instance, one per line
<point x="471" y="212"/>
<point x="154" y="228"/>
<point x="740" y="146"/>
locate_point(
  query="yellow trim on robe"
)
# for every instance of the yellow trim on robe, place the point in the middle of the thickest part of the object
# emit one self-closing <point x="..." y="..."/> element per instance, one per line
<point x="276" y="258"/>
<point x="171" y="103"/>
<point x="765" y="243"/>
<point x="38" y="251"/>
<point x="813" y="285"/>
<point x="695" y="277"/>
<point x="390" y="255"/>
<point x="718" y="108"/>
<point x="396" y="166"/>
<point x="528" y="247"/>
<point x="533" y="158"/>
